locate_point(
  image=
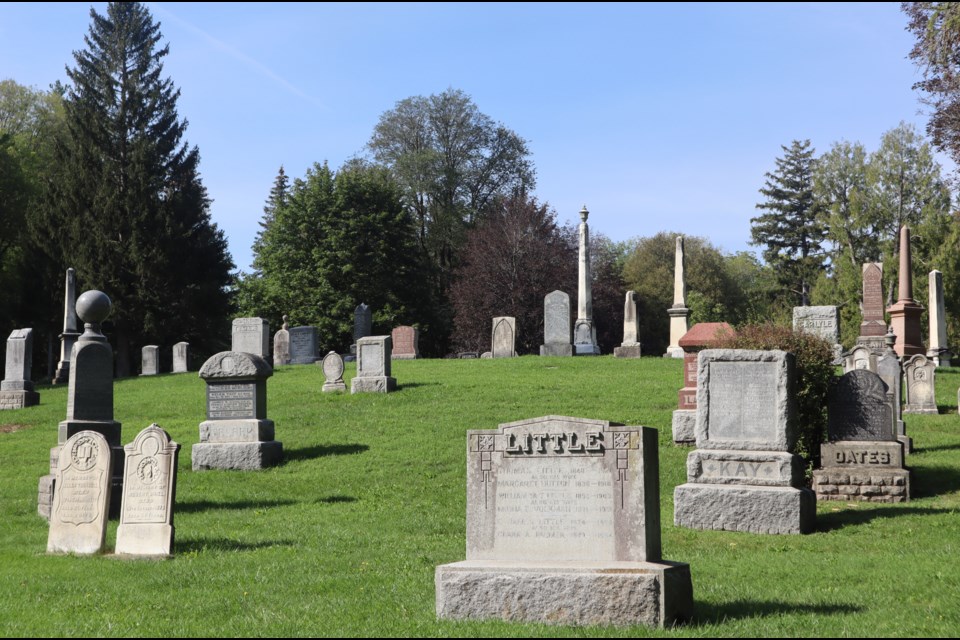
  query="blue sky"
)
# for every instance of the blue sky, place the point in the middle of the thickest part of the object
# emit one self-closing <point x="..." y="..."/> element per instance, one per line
<point x="656" y="116"/>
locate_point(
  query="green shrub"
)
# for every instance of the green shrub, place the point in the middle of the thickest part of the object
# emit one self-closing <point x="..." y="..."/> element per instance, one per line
<point x="814" y="372"/>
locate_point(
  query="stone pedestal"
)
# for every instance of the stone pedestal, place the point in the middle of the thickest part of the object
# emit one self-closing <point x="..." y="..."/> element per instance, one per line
<point x="905" y="313"/>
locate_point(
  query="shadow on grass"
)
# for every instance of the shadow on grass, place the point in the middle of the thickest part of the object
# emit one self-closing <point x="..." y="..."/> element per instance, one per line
<point x="851" y="517"/>
<point x="707" y="613"/>
<point x="209" y="505"/>
<point x="336" y="499"/>
<point x="946" y="409"/>
<point x="941" y="447"/>
<point x="319" y="451"/>
<point x="413" y="385"/>
<point x="934" y="481"/>
<point x="204" y="545"/>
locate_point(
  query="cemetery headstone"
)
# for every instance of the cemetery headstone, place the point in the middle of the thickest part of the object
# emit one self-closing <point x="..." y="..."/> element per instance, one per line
<point x="78" y="519"/>
<point x="303" y="345"/>
<point x="584" y="330"/>
<point x="563" y="527"/>
<point x="406" y="343"/>
<point x="743" y="476"/>
<point x="821" y="321"/>
<point x="891" y="372"/>
<point x="17" y="390"/>
<point x="181" y="357"/>
<point x="863" y="460"/>
<point x="332" y="366"/>
<point x="630" y="347"/>
<point x="486" y="354"/>
<point x="503" y="337"/>
<point x="149" y="493"/>
<point x="557" y="339"/>
<point x="918" y="374"/>
<point x="678" y="313"/>
<point x="236" y="433"/>
<point x="150" y="360"/>
<point x="362" y="324"/>
<point x="703" y="335"/>
<point x="373" y="366"/>
<point x="860" y="357"/>
<point x="873" y="327"/>
<point x="281" y="345"/>
<point x="251" y="335"/>
<point x="937" y="350"/>
<point x="70" y="334"/>
<point x="905" y="312"/>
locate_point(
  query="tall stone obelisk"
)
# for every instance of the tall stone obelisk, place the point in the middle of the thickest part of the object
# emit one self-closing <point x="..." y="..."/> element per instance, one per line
<point x="905" y="312"/>
<point x="679" y="313"/>
<point x="584" y="333"/>
<point x="937" y="347"/>
<point x="70" y="334"/>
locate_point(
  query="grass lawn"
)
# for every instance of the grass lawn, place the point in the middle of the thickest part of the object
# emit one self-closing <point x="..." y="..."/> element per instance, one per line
<point x="343" y="538"/>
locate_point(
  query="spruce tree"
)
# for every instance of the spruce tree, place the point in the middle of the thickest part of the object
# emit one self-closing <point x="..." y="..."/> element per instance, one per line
<point x="791" y="229"/>
<point x="127" y="208"/>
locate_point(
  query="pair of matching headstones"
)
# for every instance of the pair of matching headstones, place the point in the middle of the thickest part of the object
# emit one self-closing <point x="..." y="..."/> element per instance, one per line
<point x="78" y="519"/>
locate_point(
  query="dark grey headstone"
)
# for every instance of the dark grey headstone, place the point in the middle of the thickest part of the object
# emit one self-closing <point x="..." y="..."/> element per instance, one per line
<point x="859" y="408"/>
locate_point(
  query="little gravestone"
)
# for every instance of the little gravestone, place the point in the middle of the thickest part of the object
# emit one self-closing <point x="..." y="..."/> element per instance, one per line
<point x="742" y="477"/>
<point x="373" y="366"/>
<point x="563" y="527"/>
<point x="332" y="366"/>
<point x="78" y="519"/>
<point x="863" y="459"/>
<point x="822" y="321"/>
<point x="503" y="338"/>
<point x="16" y="390"/>
<point x="149" y="491"/>
<point x="303" y="345"/>
<point x="918" y="378"/>
<point x="630" y="347"/>
<point x="251" y="335"/>
<point x="236" y="433"/>
<point x="281" y="345"/>
<point x="181" y="357"/>
<point x="860" y="357"/>
<point x="150" y="360"/>
<point x="557" y="339"/>
<point x="703" y="335"/>
<point x="406" y="343"/>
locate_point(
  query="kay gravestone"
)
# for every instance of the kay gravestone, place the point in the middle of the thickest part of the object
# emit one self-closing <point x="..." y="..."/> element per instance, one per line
<point x="503" y="337"/>
<point x="332" y="366"/>
<point x="563" y="527"/>
<point x="81" y="504"/>
<point x="303" y="345"/>
<point x="373" y="366"/>
<point x="557" y="338"/>
<point x="251" y="335"/>
<point x="149" y="492"/>
<point x="150" y="360"/>
<point x="406" y="343"/>
<point x="16" y="390"/>
<point x="743" y="476"/>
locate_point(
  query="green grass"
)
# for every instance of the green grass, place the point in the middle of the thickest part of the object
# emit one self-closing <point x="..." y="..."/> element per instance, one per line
<point x="343" y="538"/>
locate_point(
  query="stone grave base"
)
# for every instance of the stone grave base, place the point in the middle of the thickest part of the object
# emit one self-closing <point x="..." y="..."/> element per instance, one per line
<point x="334" y="386"/>
<point x="586" y="349"/>
<point x="402" y="356"/>
<point x="243" y="456"/>
<point x="907" y="443"/>
<point x="745" y="508"/>
<point x="144" y="539"/>
<point x="685" y="426"/>
<point x="920" y="409"/>
<point x="373" y="384"/>
<point x="556" y="349"/>
<point x="627" y="352"/>
<point x="615" y="593"/>
<point x="18" y="399"/>
<point x="236" y="431"/>
<point x="45" y="496"/>
<point x="873" y="485"/>
<point x="673" y="352"/>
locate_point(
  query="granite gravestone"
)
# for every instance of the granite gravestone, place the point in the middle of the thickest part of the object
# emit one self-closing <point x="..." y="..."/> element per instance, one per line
<point x="281" y="345"/>
<point x="557" y="339"/>
<point x="703" y="335"/>
<point x="362" y="324"/>
<point x="873" y="327"/>
<point x="918" y="376"/>
<point x="16" y="390"/>
<point x="70" y="334"/>
<point x="150" y="360"/>
<point x="181" y="357"/>
<point x="236" y="433"/>
<point x="742" y="477"/>
<point x="78" y="519"/>
<point x="406" y="343"/>
<point x="863" y="460"/>
<point x="303" y="345"/>
<point x="503" y="337"/>
<point x="149" y="492"/>
<point x="373" y="366"/>
<point x="251" y="335"/>
<point x="563" y="527"/>
<point x="937" y="351"/>
<point x="630" y="347"/>
<point x="332" y="366"/>
<point x="822" y="321"/>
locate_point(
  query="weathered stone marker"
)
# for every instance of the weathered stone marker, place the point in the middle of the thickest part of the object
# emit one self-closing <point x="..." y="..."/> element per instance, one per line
<point x="150" y="360"/>
<point x="563" y="527"/>
<point x="281" y="345"/>
<point x="236" y="433"/>
<point x="149" y="492"/>
<point x="703" y="335"/>
<point x="251" y="335"/>
<point x="919" y="374"/>
<point x="503" y="337"/>
<point x="78" y="519"/>
<point x="822" y="321"/>
<point x="557" y="339"/>
<point x="373" y="366"/>
<point x="181" y="357"/>
<point x="406" y="343"/>
<point x="630" y="347"/>
<point x="16" y="390"/>
<point x="742" y="477"/>
<point x="332" y="366"/>
<point x="303" y="345"/>
<point x="70" y="334"/>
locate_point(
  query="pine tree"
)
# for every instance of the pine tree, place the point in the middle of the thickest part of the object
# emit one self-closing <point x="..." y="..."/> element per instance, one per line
<point x="791" y="229"/>
<point x="127" y="208"/>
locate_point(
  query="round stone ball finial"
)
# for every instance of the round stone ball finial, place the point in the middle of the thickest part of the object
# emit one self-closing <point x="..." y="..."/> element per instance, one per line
<point x="285" y="325"/>
<point x="93" y="307"/>
<point x="584" y="213"/>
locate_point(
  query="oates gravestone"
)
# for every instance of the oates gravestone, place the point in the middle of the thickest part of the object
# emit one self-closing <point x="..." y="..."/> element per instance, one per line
<point x="78" y="520"/>
<point x="149" y="491"/>
<point x="563" y="527"/>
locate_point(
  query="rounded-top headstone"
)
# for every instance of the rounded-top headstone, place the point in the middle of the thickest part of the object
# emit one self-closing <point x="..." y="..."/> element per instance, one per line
<point x="93" y="306"/>
<point x="332" y="366"/>
<point x="235" y="364"/>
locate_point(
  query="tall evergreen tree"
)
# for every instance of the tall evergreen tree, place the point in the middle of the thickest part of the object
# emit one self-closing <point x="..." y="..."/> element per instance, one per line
<point x="791" y="229"/>
<point x="127" y="208"/>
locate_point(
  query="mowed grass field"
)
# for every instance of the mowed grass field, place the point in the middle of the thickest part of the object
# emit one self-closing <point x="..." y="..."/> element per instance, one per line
<point x="342" y="539"/>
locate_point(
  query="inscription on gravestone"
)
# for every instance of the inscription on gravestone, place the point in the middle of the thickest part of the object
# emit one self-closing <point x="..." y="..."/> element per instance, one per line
<point x="743" y="401"/>
<point x="859" y="408"/>
<point x="146" y="517"/>
<point x="234" y="400"/>
<point x="251" y="335"/>
<point x="303" y="345"/>
<point x="78" y="520"/>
